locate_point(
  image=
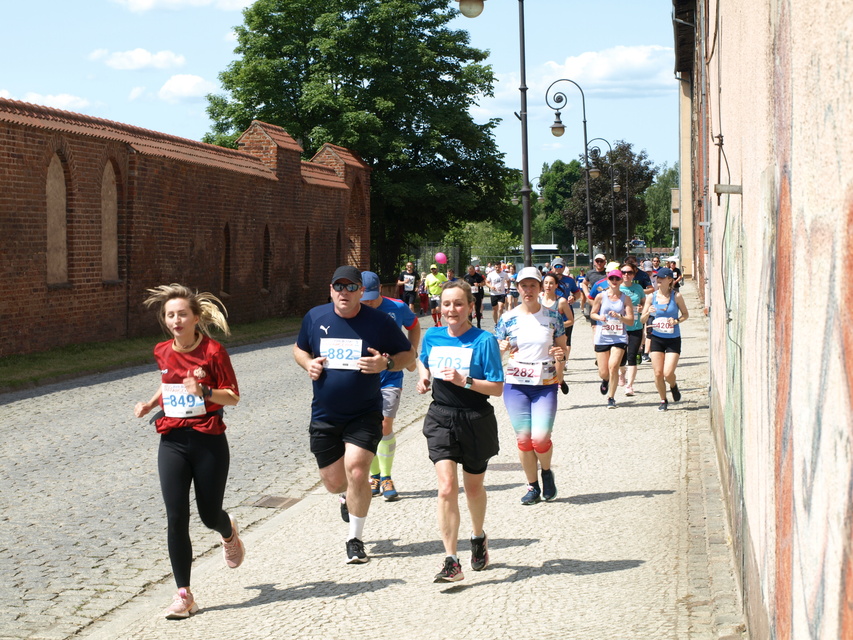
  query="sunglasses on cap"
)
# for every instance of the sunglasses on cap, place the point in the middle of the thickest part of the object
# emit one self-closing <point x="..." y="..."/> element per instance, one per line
<point x="340" y="286"/>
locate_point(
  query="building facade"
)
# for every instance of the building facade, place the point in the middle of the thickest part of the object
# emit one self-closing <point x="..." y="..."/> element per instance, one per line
<point x="94" y="212"/>
<point x="767" y="175"/>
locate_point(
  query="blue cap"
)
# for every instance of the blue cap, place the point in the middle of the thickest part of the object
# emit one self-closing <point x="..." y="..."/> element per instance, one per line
<point x="371" y="285"/>
<point x="664" y="272"/>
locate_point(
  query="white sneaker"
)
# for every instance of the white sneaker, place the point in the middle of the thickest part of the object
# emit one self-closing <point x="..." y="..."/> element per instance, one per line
<point x="629" y="390"/>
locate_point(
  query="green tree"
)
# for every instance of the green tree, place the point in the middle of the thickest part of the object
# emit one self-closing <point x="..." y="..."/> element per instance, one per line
<point x="657" y="229"/>
<point x="387" y="79"/>
<point x="556" y="184"/>
<point x="484" y="239"/>
<point x="634" y="173"/>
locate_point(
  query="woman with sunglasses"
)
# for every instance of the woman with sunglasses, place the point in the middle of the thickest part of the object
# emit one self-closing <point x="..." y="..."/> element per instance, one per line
<point x="612" y="312"/>
<point x="667" y="310"/>
<point x="635" y="332"/>
<point x="197" y="381"/>
<point x="464" y="365"/>
<point x="535" y="339"/>
<point x="550" y="299"/>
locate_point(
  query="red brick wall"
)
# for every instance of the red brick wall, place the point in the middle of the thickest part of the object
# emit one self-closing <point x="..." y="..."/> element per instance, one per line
<point x="171" y="217"/>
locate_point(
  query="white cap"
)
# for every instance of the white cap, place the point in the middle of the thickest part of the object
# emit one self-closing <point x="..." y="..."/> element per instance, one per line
<point x="529" y="273"/>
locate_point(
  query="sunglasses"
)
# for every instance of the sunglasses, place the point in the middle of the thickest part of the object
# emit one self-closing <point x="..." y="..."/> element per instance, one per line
<point x="614" y="278"/>
<point x="352" y="286"/>
<point x="628" y="273"/>
<point x="559" y="266"/>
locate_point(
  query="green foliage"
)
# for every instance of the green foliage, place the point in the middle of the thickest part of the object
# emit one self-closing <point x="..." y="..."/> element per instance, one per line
<point x="556" y="184"/>
<point x="484" y="238"/>
<point x="387" y="79"/>
<point x="657" y="230"/>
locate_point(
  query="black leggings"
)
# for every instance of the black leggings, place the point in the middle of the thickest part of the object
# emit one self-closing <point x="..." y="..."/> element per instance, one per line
<point x="189" y="456"/>
<point x="635" y="340"/>
<point x="478" y="306"/>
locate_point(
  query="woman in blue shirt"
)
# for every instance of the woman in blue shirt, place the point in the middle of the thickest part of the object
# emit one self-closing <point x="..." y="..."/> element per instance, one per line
<point x="460" y="426"/>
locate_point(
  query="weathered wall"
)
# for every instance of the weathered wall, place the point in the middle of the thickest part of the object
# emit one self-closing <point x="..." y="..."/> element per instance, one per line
<point x="774" y="79"/>
<point x="258" y="227"/>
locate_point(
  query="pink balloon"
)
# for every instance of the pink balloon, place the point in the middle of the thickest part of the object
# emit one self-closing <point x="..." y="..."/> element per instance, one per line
<point x="440" y="258"/>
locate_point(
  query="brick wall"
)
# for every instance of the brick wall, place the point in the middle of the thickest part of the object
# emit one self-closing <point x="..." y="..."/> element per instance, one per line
<point x="175" y="198"/>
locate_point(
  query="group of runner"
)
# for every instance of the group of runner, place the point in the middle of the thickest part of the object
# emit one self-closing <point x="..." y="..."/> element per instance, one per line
<point x="354" y="352"/>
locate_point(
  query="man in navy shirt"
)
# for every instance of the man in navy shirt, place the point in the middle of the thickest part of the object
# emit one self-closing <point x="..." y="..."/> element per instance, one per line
<point x="344" y="346"/>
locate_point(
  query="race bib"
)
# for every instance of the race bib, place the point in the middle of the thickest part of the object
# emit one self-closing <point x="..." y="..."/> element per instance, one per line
<point x="612" y="327"/>
<point x="340" y="353"/>
<point x="409" y="283"/>
<point x="458" y="358"/>
<point x="179" y="403"/>
<point x="664" y="325"/>
<point x="475" y="288"/>
<point x="529" y="373"/>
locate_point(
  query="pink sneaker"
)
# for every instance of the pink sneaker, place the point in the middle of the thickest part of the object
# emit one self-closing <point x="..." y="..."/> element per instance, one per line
<point x="183" y="606"/>
<point x="629" y="390"/>
<point x="621" y="380"/>
<point x="233" y="551"/>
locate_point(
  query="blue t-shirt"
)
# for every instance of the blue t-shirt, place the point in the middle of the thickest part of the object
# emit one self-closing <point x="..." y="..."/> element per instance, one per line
<point x="598" y="287"/>
<point x="566" y="287"/>
<point x="637" y="295"/>
<point x="403" y="316"/>
<point x="485" y="365"/>
<point x="343" y="394"/>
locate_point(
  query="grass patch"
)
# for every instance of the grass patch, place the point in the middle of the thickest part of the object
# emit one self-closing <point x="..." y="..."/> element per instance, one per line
<point x="62" y="363"/>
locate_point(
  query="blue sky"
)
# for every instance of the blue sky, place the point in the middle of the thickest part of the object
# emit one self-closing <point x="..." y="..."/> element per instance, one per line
<point x="149" y="63"/>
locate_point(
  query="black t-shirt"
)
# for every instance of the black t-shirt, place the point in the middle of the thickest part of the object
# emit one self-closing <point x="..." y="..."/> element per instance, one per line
<point x="410" y="280"/>
<point x="642" y="278"/>
<point x="676" y="274"/>
<point x="475" y="280"/>
<point x="343" y="394"/>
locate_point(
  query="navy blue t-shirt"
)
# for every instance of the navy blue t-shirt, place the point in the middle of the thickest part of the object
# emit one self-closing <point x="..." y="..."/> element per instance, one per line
<point x="343" y="394"/>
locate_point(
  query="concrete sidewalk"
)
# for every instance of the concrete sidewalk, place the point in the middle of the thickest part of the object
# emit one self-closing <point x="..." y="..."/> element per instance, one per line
<point x="635" y="546"/>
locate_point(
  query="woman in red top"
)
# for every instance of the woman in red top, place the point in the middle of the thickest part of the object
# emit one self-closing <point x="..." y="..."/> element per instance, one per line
<point x="197" y="381"/>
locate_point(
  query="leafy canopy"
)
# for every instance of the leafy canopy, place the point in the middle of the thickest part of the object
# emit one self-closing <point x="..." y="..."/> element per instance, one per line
<point x="385" y="78"/>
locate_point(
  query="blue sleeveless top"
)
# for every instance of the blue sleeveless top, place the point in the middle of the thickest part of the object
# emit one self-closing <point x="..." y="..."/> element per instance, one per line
<point x="668" y="310"/>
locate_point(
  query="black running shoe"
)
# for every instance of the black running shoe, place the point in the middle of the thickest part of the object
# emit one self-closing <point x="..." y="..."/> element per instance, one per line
<point x="663" y="406"/>
<point x="605" y="385"/>
<point x="564" y="388"/>
<point x="611" y="403"/>
<point x="549" y="489"/>
<point x="451" y="572"/>
<point x="532" y="496"/>
<point x="479" y="553"/>
<point x="344" y="510"/>
<point x="355" y="552"/>
<point x="676" y="394"/>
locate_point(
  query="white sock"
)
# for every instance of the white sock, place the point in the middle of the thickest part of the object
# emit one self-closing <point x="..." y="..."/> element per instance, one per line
<point x="356" y="527"/>
<point x="473" y="537"/>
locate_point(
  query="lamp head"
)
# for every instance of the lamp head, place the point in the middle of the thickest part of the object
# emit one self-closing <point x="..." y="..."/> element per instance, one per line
<point x="617" y="187"/>
<point x="514" y="200"/>
<point x="471" y="8"/>
<point x="558" y="128"/>
<point x="594" y="172"/>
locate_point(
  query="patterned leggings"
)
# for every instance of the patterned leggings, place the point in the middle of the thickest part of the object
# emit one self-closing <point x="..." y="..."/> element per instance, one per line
<point x="531" y="410"/>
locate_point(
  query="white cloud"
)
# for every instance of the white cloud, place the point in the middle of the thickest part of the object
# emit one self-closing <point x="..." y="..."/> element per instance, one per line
<point x="619" y="72"/>
<point x="139" y="6"/>
<point x="138" y="59"/>
<point x="185" y="87"/>
<point x="135" y="93"/>
<point x="5" y="94"/>
<point x="59" y="101"/>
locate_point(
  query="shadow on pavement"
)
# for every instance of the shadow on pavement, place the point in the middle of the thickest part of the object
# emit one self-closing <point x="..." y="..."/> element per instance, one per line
<point x="390" y="548"/>
<point x="552" y="567"/>
<point x="591" y="498"/>
<point x="268" y="593"/>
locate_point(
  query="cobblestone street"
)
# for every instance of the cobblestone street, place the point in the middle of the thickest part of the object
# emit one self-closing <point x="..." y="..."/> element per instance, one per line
<point x="635" y="546"/>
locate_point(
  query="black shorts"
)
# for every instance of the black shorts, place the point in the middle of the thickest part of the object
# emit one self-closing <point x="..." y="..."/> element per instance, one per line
<point x="604" y="348"/>
<point x="635" y="341"/>
<point x="410" y="297"/>
<point x="328" y="439"/>
<point x="465" y="436"/>
<point x="665" y="345"/>
<point x="569" y="335"/>
<point x="434" y="301"/>
<point x="498" y="298"/>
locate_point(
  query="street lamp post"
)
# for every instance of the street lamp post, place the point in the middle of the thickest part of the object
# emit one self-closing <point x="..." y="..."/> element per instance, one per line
<point x="558" y="129"/>
<point x="595" y="152"/>
<point x="471" y="9"/>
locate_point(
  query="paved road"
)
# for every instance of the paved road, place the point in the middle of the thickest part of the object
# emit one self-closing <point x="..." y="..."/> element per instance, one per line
<point x="634" y="547"/>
